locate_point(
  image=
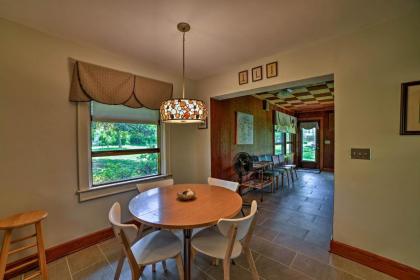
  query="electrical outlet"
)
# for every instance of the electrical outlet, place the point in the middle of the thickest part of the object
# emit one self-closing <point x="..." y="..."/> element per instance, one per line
<point x="357" y="153"/>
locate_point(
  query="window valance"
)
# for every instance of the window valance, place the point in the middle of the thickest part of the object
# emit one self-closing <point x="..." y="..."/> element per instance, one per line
<point x="285" y="123"/>
<point x="309" y="125"/>
<point x="108" y="86"/>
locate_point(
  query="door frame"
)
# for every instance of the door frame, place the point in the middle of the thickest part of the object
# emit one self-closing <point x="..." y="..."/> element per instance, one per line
<point x="321" y="140"/>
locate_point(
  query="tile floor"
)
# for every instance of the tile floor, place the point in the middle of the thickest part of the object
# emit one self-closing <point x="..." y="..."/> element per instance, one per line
<point x="291" y="241"/>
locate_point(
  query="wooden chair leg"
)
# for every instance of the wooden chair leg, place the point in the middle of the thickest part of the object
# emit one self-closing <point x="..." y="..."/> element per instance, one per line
<point x="251" y="264"/>
<point x="226" y="269"/>
<point x="41" y="251"/>
<point x="164" y="266"/>
<point x="136" y="274"/>
<point x="180" y="266"/>
<point x="119" y="266"/>
<point x="296" y="173"/>
<point x="7" y="238"/>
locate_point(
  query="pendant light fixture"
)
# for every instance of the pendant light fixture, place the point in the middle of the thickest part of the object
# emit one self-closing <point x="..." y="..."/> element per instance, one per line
<point x="183" y="110"/>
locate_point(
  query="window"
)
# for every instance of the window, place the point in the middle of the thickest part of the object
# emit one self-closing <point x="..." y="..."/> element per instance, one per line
<point x="289" y="143"/>
<point x="278" y="141"/>
<point x="125" y="144"/>
<point x="283" y="142"/>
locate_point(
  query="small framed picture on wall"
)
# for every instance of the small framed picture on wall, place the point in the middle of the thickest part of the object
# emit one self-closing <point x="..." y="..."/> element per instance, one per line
<point x="271" y="69"/>
<point x="257" y="74"/>
<point x="204" y="124"/>
<point x="243" y="77"/>
<point x="410" y="108"/>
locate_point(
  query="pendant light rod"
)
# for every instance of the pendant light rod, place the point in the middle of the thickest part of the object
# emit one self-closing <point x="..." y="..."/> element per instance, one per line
<point x="183" y="64"/>
<point x="183" y="27"/>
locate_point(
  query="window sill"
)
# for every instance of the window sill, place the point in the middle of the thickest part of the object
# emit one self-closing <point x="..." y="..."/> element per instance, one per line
<point x="115" y="188"/>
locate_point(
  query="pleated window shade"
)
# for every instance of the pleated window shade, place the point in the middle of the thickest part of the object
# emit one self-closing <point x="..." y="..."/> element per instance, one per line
<point x="108" y="86"/>
<point x="121" y="113"/>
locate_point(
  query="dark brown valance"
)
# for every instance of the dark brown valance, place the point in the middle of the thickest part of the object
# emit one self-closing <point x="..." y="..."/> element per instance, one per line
<point x="108" y="86"/>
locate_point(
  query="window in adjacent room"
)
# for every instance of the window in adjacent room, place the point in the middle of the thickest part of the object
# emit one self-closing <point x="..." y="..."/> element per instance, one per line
<point x="125" y="143"/>
<point x="278" y="141"/>
<point x="289" y="143"/>
<point x="283" y="142"/>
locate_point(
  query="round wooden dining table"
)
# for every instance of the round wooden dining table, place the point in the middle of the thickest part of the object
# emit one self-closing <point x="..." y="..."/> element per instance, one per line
<point x="159" y="207"/>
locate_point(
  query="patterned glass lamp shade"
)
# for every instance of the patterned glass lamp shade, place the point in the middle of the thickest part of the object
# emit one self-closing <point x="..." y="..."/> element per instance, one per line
<point x="183" y="111"/>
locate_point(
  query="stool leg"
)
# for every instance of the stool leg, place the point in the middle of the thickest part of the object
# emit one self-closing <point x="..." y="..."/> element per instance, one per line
<point x="4" y="252"/>
<point x="41" y="251"/>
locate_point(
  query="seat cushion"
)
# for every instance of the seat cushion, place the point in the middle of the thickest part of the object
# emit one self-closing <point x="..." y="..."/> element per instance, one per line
<point x="290" y="165"/>
<point x="211" y="242"/>
<point x="156" y="246"/>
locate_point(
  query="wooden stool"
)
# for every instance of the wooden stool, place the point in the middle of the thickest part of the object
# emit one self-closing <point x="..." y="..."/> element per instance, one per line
<point x="17" y="221"/>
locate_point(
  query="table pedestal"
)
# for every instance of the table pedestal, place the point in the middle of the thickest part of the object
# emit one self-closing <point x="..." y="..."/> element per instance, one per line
<point x="187" y="253"/>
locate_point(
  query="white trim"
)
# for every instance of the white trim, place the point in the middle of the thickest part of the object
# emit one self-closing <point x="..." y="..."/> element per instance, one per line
<point x="116" y="188"/>
<point x="86" y="190"/>
<point x="83" y="146"/>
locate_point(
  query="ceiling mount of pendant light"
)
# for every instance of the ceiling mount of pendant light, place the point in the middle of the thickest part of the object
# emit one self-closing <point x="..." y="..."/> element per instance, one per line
<point x="183" y="110"/>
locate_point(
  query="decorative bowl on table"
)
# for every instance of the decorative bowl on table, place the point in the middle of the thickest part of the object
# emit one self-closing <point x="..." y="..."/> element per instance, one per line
<point x="186" y="195"/>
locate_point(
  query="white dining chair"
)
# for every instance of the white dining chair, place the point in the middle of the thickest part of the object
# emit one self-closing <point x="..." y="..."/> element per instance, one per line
<point x="228" y="242"/>
<point x="152" y="248"/>
<point x="233" y="186"/>
<point x="142" y="187"/>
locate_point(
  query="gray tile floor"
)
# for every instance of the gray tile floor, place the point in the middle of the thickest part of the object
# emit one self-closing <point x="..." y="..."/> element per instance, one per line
<point x="291" y="241"/>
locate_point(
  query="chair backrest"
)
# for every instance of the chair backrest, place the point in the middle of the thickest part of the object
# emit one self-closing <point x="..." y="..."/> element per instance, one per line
<point x="276" y="160"/>
<point x="289" y="158"/>
<point x="281" y="159"/>
<point x="267" y="157"/>
<point x="142" y="187"/>
<point x="130" y="231"/>
<point x="243" y="224"/>
<point x="233" y="186"/>
<point x="261" y="158"/>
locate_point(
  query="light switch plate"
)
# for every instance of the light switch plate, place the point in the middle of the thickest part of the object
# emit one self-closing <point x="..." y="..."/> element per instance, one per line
<point x="360" y="153"/>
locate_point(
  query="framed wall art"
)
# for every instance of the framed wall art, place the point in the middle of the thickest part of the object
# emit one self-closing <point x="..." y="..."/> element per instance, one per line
<point x="204" y="124"/>
<point x="243" y="77"/>
<point x="271" y="69"/>
<point x="410" y="108"/>
<point x="257" y="73"/>
<point x="244" y="129"/>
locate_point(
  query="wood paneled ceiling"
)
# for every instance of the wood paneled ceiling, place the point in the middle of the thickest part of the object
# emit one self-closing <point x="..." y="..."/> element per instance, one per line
<point x="318" y="96"/>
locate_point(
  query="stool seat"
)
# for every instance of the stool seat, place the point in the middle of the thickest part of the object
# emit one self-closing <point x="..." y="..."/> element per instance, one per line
<point x="22" y="219"/>
<point x="13" y="223"/>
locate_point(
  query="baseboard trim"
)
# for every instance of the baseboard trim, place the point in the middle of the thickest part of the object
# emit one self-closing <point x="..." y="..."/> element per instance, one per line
<point x="328" y="169"/>
<point x="64" y="249"/>
<point x="382" y="264"/>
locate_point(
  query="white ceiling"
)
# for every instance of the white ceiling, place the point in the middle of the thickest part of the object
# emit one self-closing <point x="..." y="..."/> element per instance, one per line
<point x="223" y="33"/>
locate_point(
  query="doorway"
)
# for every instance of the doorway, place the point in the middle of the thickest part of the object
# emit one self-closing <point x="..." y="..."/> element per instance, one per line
<point x="309" y="139"/>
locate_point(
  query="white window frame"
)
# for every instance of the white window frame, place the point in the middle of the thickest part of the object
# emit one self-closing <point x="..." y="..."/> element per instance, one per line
<point x="86" y="190"/>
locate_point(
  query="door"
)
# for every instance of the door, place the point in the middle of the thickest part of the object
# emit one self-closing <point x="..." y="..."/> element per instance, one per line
<point x="309" y="144"/>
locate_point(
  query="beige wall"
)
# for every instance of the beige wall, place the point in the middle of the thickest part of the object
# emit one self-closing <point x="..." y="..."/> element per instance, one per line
<point x="376" y="202"/>
<point x="38" y="164"/>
